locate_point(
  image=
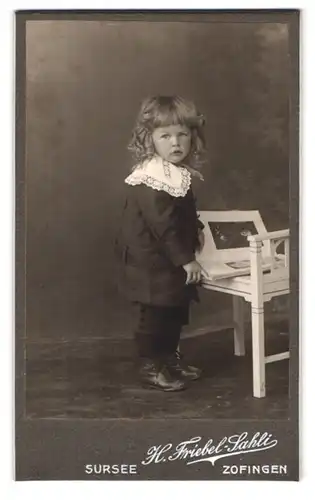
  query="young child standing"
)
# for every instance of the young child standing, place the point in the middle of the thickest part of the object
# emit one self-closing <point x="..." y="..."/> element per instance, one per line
<point x="159" y="235"/>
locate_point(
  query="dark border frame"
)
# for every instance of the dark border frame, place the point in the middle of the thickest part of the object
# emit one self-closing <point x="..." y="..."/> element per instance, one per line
<point x="48" y="449"/>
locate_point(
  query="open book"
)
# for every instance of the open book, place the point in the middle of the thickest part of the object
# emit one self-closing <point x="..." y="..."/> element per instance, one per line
<point x="220" y="270"/>
<point x="226" y="252"/>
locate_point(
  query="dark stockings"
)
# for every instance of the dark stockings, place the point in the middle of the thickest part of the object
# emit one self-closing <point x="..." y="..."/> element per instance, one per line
<point x="158" y="331"/>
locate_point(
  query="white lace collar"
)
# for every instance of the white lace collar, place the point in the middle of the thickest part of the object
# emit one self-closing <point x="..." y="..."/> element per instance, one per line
<point x="161" y="175"/>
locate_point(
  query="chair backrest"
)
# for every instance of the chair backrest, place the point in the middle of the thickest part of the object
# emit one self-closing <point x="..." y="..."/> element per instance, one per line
<point x="226" y="234"/>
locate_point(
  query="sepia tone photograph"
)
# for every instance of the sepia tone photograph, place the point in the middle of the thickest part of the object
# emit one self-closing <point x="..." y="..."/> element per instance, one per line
<point x="155" y="219"/>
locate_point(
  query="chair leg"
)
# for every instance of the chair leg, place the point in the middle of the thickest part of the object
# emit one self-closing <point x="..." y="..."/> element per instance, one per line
<point x="258" y="341"/>
<point x="238" y="318"/>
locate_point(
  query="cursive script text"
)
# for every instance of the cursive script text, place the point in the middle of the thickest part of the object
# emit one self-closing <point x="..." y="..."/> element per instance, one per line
<point x="193" y="451"/>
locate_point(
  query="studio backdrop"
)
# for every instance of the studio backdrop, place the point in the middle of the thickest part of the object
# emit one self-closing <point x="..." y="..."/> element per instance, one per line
<point x="84" y="84"/>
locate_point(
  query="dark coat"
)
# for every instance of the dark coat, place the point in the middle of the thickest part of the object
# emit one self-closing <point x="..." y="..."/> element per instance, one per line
<point x="158" y="235"/>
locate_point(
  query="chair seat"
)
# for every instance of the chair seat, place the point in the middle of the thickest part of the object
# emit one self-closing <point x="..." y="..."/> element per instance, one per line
<point x="242" y="285"/>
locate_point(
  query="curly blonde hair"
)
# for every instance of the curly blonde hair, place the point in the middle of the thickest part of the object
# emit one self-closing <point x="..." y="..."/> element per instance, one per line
<point x="161" y="111"/>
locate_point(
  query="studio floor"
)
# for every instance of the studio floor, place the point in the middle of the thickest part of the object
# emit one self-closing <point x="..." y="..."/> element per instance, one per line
<point x="97" y="378"/>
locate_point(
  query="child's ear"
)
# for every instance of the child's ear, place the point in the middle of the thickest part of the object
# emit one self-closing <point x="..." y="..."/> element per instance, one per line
<point x="201" y="120"/>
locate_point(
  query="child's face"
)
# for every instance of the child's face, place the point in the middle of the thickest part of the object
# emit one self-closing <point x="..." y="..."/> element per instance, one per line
<point x="172" y="143"/>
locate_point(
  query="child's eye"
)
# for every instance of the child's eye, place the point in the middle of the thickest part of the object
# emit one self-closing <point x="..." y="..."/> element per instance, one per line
<point x="164" y="136"/>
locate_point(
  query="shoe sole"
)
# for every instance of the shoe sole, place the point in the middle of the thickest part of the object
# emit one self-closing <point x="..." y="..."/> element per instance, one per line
<point x="191" y="379"/>
<point x="147" y="385"/>
<point x="187" y="378"/>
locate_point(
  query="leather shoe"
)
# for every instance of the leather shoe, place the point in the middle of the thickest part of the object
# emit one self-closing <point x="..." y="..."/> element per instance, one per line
<point x="177" y="367"/>
<point x="157" y="376"/>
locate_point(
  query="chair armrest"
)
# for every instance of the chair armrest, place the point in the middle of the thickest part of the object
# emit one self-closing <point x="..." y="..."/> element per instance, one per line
<point x="272" y="240"/>
<point x="274" y="235"/>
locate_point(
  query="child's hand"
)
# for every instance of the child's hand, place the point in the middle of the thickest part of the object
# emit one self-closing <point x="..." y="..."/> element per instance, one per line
<point x="194" y="272"/>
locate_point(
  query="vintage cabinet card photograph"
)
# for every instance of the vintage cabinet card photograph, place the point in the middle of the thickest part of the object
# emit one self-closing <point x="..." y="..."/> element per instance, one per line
<point x="157" y="249"/>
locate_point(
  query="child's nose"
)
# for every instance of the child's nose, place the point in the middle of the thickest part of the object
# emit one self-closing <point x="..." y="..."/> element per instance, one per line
<point x="175" y="141"/>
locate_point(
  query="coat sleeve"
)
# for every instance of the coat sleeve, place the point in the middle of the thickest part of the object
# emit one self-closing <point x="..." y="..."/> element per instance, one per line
<point x="159" y="211"/>
<point x="200" y="225"/>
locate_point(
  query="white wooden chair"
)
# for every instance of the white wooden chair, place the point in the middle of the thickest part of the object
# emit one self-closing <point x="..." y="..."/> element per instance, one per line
<point x="255" y="272"/>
